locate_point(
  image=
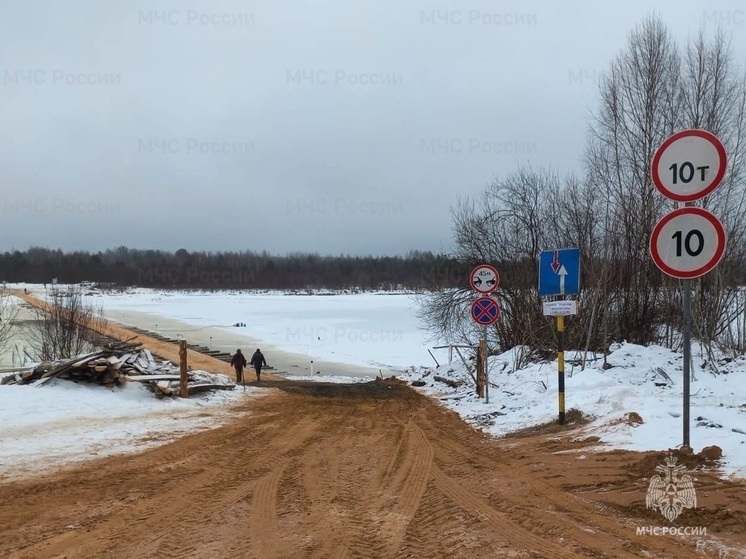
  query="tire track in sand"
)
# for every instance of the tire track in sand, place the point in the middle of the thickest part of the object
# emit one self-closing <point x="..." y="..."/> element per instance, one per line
<point x="231" y="489"/>
<point x="323" y="516"/>
<point x="263" y="515"/>
<point x="511" y="531"/>
<point x="402" y="486"/>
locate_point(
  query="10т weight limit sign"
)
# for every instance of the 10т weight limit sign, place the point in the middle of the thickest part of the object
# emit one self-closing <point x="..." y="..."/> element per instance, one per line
<point x="688" y="242"/>
<point x="689" y="165"/>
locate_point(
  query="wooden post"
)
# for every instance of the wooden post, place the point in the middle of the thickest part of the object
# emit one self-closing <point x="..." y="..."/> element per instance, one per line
<point x="478" y="370"/>
<point x="482" y="368"/>
<point x="183" y="392"/>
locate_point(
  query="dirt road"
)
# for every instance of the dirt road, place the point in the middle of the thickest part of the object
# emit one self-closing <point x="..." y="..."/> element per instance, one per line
<point x="359" y="471"/>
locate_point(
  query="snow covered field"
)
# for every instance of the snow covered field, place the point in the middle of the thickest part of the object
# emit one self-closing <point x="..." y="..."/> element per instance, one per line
<point x="379" y="331"/>
<point x="371" y="329"/>
<point x="633" y="385"/>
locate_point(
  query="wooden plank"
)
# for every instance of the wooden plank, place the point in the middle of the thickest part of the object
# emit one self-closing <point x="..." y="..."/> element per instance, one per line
<point x="196" y="388"/>
<point x="122" y="360"/>
<point x="86" y="359"/>
<point x="149" y="357"/>
<point x="41" y="381"/>
<point x="16" y="370"/>
<point x="449" y="382"/>
<point x="138" y="368"/>
<point x="165" y="387"/>
<point x="146" y="378"/>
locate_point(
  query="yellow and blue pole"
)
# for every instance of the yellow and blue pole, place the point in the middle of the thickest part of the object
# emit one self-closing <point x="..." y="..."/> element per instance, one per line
<point x="561" y="366"/>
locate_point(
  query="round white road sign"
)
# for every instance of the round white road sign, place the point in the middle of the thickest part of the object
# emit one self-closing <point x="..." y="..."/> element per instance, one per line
<point x="687" y="243"/>
<point x="484" y="279"/>
<point x="689" y="165"/>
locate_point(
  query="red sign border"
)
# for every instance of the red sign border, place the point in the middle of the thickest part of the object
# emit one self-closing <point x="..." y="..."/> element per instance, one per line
<point x="474" y="270"/>
<point x="710" y="137"/>
<point x="497" y="306"/>
<point x="701" y="270"/>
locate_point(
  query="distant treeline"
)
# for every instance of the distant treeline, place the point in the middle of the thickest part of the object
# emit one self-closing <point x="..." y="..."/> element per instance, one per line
<point x="233" y="270"/>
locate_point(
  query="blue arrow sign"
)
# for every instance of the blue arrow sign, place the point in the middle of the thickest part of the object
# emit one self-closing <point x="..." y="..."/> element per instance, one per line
<point x="559" y="272"/>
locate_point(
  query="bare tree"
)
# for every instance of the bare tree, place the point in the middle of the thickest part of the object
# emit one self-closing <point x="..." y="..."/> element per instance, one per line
<point x="651" y="91"/>
<point x="65" y="326"/>
<point x="714" y="98"/>
<point x="637" y="112"/>
<point x="508" y="226"/>
<point x="8" y="314"/>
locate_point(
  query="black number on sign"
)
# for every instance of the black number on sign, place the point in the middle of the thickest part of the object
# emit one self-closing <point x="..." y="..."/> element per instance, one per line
<point x="686" y="172"/>
<point x="688" y="242"/>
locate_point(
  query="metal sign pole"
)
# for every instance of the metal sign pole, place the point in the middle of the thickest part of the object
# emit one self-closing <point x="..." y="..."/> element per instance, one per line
<point x="485" y="311"/>
<point x="486" y="374"/>
<point x="687" y="296"/>
<point x="561" y="367"/>
<point x="705" y="152"/>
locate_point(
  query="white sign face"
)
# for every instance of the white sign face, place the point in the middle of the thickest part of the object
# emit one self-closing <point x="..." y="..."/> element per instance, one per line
<point x="689" y="165"/>
<point x="687" y="243"/>
<point x="484" y="279"/>
<point x="560" y="308"/>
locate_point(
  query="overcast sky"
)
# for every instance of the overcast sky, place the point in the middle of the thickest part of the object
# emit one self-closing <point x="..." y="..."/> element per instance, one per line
<point x="328" y="126"/>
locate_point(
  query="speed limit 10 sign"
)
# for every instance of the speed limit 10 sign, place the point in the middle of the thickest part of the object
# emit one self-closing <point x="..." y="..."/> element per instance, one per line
<point x="689" y="165"/>
<point x="687" y="243"/>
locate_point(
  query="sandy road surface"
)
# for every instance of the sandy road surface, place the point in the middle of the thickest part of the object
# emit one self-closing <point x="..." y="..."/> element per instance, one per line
<point x="331" y="471"/>
<point x="368" y="470"/>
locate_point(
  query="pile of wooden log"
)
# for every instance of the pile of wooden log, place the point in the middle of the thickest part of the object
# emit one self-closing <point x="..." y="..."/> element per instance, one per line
<point x="115" y="364"/>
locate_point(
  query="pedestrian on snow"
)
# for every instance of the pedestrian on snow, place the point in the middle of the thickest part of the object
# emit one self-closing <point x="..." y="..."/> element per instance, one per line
<point x="257" y="361"/>
<point x="238" y="361"/>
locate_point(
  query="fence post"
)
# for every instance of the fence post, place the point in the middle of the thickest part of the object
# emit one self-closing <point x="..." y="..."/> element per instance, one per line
<point x="183" y="391"/>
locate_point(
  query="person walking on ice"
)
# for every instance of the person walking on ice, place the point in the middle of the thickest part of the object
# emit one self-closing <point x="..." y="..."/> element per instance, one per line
<point x="238" y="361"/>
<point x="257" y="360"/>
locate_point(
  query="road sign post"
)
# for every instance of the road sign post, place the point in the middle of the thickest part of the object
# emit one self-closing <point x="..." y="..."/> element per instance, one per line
<point x="485" y="311"/>
<point x="687" y="326"/>
<point x="688" y="242"/>
<point x="559" y="275"/>
<point x="561" y="367"/>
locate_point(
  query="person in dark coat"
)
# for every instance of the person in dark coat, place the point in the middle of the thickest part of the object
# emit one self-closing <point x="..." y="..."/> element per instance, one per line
<point x="257" y="361"/>
<point x="238" y="361"/>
